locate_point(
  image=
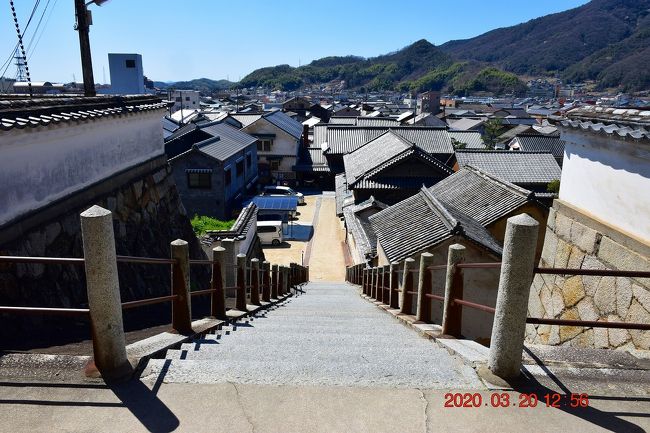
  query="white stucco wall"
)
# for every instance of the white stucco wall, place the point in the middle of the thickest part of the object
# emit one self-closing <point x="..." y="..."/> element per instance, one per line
<point x="609" y="179"/>
<point x="283" y="144"/>
<point x="40" y="165"/>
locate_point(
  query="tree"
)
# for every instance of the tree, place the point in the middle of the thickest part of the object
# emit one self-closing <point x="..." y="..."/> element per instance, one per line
<point x="553" y="186"/>
<point x="491" y="132"/>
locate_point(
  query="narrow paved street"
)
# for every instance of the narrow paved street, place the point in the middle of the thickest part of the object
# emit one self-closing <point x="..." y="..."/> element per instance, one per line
<point x="327" y="259"/>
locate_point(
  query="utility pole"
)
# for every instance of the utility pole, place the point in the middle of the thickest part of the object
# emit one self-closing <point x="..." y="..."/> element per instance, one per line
<point x="82" y="27"/>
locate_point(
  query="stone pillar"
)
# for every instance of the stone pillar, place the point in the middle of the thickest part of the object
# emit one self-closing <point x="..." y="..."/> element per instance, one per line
<point x="218" y="283"/>
<point x="240" y="300"/>
<point x="407" y="285"/>
<point x="255" y="282"/>
<point x="275" y="278"/>
<point x="285" y="280"/>
<point x="423" y="309"/>
<point x="517" y="267"/>
<point x="104" y="302"/>
<point x="266" y="281"/>
<point x="393" y="297"/>
<point x="230" y="262"/>
<point x="182" y="305"/>
<point x="452" y="314"/>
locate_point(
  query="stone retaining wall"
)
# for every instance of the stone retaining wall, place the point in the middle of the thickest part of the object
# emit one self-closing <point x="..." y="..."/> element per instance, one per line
<point x="147" y="216"/>
<point x="574" y="240"/>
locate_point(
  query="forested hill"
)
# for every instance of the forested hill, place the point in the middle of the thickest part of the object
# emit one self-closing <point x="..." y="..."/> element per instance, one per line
<point x="603" y="40"/>
<point x="420" y="66"/>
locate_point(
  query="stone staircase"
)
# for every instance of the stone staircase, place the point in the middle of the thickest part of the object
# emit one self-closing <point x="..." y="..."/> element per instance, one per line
<point x="326" y="336"/>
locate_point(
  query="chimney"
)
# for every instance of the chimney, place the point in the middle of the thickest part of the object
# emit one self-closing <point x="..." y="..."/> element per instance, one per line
<point x="305" y="136"/>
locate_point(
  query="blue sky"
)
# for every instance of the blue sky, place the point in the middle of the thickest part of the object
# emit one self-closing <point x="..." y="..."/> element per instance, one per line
<point x="217" y="39"/>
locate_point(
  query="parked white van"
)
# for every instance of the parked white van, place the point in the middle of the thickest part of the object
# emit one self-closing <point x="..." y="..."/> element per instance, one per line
<point x="270" y="232"/>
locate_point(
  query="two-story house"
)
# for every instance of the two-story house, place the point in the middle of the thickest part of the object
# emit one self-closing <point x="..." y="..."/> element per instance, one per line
<point x="278" y="139"/>
<point x="214" y="173"/>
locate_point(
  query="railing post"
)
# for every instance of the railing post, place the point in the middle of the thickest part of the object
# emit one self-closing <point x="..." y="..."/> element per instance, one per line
<point x="218" y="283"/>
<point x="517" y="267"/>
<point x="306" y="274"/>
<point x="275" y="278"/>
<point x="423" y="309"/>
<point x="373" y="283"/>
<point x="230" y="262"/>
<point x="364" y="277"/>
<point x="285" y="280"/>
<point x="266" y="281"/>
<point x="385" y="286"/>
<point x="240" y="297"/>
<point x="104" y="302"/>
<point x="393" y="296"/>
<point x="407" y="286"/>
<point x="380" y="283"/>
<point x="182" y="305"/>
<point x="452" y="314"/>
<point x="255" y="282"/>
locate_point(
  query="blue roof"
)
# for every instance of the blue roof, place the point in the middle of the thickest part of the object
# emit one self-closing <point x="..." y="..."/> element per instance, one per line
<point x="276" y="203"/>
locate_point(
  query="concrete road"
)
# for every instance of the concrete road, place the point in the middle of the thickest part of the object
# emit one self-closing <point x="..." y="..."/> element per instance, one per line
<point x="327" y="259"/>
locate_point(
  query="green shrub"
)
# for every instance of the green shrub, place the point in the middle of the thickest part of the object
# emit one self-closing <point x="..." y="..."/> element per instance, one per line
<point x="202" y="224"/>
<point x="553" y="186"/>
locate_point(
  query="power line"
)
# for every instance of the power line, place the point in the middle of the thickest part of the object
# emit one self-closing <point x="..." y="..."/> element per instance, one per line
<point x="7" y="63"/>
<point x="43" y="30"/>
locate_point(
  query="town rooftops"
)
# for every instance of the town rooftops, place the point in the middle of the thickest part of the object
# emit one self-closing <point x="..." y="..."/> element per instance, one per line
<point x="512" y="166"/>
<point x="311" y="159"/>
<point x="39" y="112"/>
<point x="632" y="118"/>
<point x="421" y="222"/>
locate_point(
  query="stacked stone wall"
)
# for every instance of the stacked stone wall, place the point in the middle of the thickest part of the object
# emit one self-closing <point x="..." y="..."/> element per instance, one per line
<point x="147" y="216"/>
<point x="573" y="241"/>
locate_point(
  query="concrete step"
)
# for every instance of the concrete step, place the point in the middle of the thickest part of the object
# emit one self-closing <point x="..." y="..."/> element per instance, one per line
<point x="297" y="372"/>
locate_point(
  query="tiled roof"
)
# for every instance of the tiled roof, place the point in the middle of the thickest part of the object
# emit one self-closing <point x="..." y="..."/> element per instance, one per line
<point x="421" y="222"/>
<point x="482" y="196"/>
<point x="636" y="132"/>
<point x="359" y="225"/>
<point x="376" y="121"/>
<point x="539" y="143"/>
<point x="239" y="229"/>
<point x="385" y="151"/>
<point x="467" y="123"/>
<point x="472" y="139"/>
<point x="311" y="159"/>
<point x="512" y="166"/>
<point x="343" y="195"/>
<point x="226" y="141"/>
<point x="345" y="139"/>
<point x="284" y="122"/>
<point x="344" y="120"/>
<point x="40" y="112"/>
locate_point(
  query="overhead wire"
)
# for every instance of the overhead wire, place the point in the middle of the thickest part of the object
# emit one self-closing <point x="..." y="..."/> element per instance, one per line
<point x="7" y="63"/>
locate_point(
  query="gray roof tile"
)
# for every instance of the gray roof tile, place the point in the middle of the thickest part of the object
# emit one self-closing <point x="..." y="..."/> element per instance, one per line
<point x="512" y="166"/>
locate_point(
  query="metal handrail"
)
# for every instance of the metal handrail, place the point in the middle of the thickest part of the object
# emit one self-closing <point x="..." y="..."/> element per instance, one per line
<point x="146" y="260"/>
<point x="435" y="297"/>
<point x="594" y="272"/>
<point x="488" y="265"/>
<point x="148" y="301"/>
<point x="46" y="260"/>
<point x="44" y="310"/>
<point x="588" y="323"/>
<point x="474" y="305"/>
<point x="203" y="292"/>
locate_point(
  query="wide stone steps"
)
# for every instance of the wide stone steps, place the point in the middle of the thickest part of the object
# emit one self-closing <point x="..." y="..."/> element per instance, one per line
<point x="327" y="336"/>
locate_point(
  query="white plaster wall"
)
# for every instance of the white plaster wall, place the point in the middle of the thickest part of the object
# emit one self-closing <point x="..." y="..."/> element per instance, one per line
<point x="40" y="165"/>
<point x="609" y="179"/>
<point x="283" y="144"/>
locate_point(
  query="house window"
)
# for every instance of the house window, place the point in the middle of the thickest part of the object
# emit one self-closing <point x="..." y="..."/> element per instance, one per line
<point x="178" y="99"/>
<point x="240" y="168"/>
<point x="187" y="98"/>
<point x="130" y="63"/>
<point x="199" y="180"/>
<point x="249" y="160"/>
<point x="264" y="145"/>
<point x="228" y="177"/>
<point x="275" y="165"/>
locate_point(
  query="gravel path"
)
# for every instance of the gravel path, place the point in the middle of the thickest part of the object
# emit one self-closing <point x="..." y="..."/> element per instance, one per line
<point x="327" y="336"/>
